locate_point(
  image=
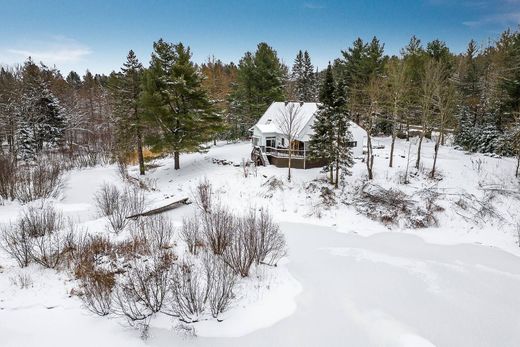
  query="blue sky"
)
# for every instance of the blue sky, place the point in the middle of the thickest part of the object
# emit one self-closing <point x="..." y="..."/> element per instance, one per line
<point x="97" y="34"/>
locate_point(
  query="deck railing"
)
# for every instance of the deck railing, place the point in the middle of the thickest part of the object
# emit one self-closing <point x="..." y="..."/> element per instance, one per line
<point x="284" y="152"/>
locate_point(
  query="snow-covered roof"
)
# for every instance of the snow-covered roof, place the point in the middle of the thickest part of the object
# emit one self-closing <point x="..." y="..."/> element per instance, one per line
<point x="273" y="117"/>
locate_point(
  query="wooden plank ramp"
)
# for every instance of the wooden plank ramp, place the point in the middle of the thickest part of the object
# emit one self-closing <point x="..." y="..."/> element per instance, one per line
<point x="170" y="206"/>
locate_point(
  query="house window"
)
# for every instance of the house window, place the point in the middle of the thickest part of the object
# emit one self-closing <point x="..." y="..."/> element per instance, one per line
<point x="283" y="142"/>
<point x="352" y="144"/>
<point x="270" y="142"/>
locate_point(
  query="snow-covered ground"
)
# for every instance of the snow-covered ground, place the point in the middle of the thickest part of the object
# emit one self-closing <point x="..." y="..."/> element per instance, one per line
<point x="347" y="280"/>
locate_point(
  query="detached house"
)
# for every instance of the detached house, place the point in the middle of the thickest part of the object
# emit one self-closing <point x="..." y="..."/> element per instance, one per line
<point x="270" y="145"/>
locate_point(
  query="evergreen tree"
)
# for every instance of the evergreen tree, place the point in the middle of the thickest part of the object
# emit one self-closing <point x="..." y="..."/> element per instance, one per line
<point x="322" y="141"/>
<point x="303" y="76"/>
<point x="127" y="110"/>
<point x="343" y="158"/>
<point x="331" y="139"/>
<point x="174" y="99"/>
<point x="41" y="119"/>
<point x="260" y="81"/>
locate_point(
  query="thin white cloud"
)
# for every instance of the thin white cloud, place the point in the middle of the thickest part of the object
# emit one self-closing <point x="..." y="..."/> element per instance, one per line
<point x="500" y="18"/>
<point x="53" y="56"/>
<point x="53" y="50"/>
<point x="313" y="6"/>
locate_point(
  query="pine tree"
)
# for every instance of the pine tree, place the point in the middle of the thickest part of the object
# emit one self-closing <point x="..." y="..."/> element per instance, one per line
<point x="260" y="81"/>
<point x="127" y="110"/>
<point x="321" y="143"/>
<point x="175" y="101"/>
<point x="331" y="139"/>
<point x="343" y="158"/>
<point x="303" y="76"/>
<point x="41" y="119"/>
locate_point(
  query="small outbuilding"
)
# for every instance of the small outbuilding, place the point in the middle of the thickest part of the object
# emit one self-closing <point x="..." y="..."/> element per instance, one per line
<point x="270" y="145"/>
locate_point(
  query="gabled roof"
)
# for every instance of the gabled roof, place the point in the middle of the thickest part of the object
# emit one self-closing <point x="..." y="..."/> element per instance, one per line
<point x="273" y="116"/>
<point x="269" y="122"/>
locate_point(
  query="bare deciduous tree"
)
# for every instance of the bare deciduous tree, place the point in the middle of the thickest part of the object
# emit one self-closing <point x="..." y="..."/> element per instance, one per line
<point x="290" y="125"/>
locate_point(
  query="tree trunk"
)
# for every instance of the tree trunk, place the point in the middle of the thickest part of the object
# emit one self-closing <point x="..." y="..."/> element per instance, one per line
<point x="177" y="164"/>
<point x="392" y="151"/>
<point x="337" y="174"/>
<point x="140" y="155"/>
<point x="407" y="130"/>
<point x="517" y="165"/>
<point x="370" y="156"/>
<point x="289" y="166"/>
<point x="419" y="151"/>
<point x="331" y="171"/>
<point x="437" y="143"/>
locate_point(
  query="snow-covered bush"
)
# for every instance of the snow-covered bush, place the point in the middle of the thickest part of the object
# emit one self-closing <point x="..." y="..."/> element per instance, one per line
<point x="221" y="282"/>
<point x="37" y="236"/>
<point x="17" y="243"/>
<point x="41" y="180"/>
<point x="156" y="232"/>
<point x="189" y="291"/>
<point x="271" y="245"/>
<point x="28" y="182"/>
<point x="141" y="291"/>
<point x="191" y="234"/>
<point x="96" y="292"/>
<point x="217" y="228"/>
<point x="118" y="204"/>
<point x="204" y="196"/>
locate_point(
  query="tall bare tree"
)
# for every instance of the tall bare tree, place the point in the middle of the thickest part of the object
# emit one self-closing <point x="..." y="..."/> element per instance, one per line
<point x="445" y="103"/>
<point x="432" y="75"/>
<point x="397" y="89"/>
<point x="290" y="124"/>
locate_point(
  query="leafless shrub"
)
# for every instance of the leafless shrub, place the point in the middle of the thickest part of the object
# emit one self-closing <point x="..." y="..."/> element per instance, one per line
<point x="245" y="167"/>
<point x="8" y="173"/>
<point x="270" y="241"/>
<point x="220" y="281"/>
<point x="273" y="184"/>
<point x="96" y="287"/>
<point x="22" y="281"/>
<point x="92" y="259"/>
<point x="203" y="196"/>
<point x="142" y="290"/>
<point x="41" y="221"/>
<point x="191" y="234"/>
<point x="218" y="227"/>
<point x="477" y="164"/>
<point x="185" y="330"/>
<point x="17" y="243"/>
<point x="118" y="204"/>
<point x="241" y="253"/>
<point x="155" y="231"/>
<point x="49" y="249"/>
<point x="41" y="180"/>
<point x="189" y="292"/>
<point x="36" y="236"/>
<point x="122" y="169"/>
<point x="107" y="199"/>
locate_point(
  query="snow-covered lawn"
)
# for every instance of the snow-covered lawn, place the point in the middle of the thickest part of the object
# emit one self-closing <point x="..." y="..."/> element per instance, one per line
<point x="347" y="280"/>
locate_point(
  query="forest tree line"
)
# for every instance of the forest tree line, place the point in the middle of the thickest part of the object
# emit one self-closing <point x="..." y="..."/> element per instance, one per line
<point x="177" y="106"/>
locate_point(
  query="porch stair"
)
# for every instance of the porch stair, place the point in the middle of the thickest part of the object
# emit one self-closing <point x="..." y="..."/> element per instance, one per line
<point x="265" y="160"/>
<point x="259" y="157"/>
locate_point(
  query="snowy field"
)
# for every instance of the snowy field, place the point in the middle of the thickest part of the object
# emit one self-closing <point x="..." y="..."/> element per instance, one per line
<point x="347" y="280"/>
